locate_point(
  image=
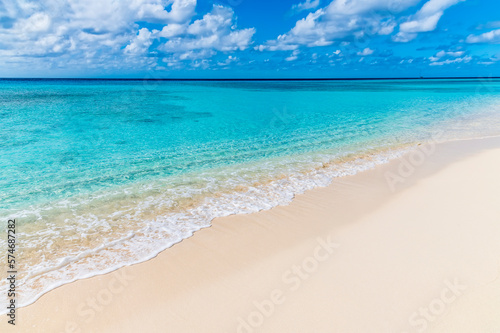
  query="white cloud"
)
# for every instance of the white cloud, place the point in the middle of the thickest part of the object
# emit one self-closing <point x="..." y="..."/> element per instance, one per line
<point x="307" y="5"/>
<point x="408" y="61"/>
<point x="211" y="23"/>
<point x="199" y="54"/>
<point x="451" y="61"/>
<point x="340" y="19"/>
<point x="366" y="52"/>
<point x="443" y="53"/>
<point x="276" y="46"/>
<point x="451" y="57"/>
<point x="216" y="30"/>
<point x="356" y="7"/>
<point x="423" y="24"/>
<point x="490" y="37"/>
<point x="38" y="22"/>
<point x="83" y="26"/>
<point x="386" y="27"/>
<point x="141" y="43"/>
<point x="404" y="37"/>
<point x="91" y="33"/>
<point x="181" y="10"/>
<point x="455" y="54"/>
<point x="172" y="30"/>
<point x="425" y="20"/>
<point x="293" y="56"/>
<point x="230" y="59"/>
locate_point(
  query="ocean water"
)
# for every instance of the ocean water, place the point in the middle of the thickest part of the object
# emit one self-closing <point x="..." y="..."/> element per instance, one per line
<point x="100" y="174"/>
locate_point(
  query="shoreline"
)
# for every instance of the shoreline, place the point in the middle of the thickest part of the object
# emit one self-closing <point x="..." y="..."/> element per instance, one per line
<point x="263" y="194"/>
<point x="281" y="234"/>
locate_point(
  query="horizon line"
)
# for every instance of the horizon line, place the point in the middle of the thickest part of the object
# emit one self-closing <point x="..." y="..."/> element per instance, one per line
<point x="257" y="79"/>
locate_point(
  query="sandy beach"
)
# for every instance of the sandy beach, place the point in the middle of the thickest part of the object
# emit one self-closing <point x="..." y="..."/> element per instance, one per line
<point x="410" y="246"/>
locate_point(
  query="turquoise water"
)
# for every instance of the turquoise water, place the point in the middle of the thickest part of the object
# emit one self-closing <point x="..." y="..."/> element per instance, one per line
<point x="100" y="174"/>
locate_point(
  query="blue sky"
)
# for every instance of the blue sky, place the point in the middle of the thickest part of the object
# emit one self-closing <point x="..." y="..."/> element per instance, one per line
<point x="249" y="38"/>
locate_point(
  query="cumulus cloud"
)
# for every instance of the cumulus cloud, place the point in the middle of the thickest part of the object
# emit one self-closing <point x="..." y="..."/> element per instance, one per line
<point x="293" y="56"/>
<point x="141" y="43"/>
<point x="216" y="30"/>
<point x="172" y="30"/>
<point x="159" y="34"/>
<point x="490" y="37"/>
<point x="366" y="52"/>
<point x="181" y="10"/>
<point x="80" y="26"/>
<point x="426" y="19"/>
<point x="96" y="32"/>
<point x="355" y="19"/>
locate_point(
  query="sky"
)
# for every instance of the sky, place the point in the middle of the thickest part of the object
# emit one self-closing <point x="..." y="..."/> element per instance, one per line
<point x="249" y="38"/>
